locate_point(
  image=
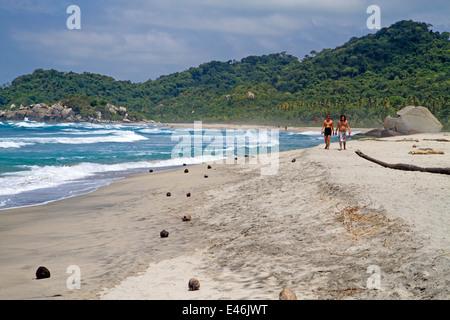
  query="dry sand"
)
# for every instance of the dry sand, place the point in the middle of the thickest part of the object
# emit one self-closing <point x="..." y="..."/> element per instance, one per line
<point x="316" y="227"/>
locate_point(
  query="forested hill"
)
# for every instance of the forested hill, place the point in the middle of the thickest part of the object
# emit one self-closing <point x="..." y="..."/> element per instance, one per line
<point x="367" y="78"/>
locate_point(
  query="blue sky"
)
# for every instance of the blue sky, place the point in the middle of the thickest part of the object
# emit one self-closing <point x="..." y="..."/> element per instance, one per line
<point x="139" y="40"/>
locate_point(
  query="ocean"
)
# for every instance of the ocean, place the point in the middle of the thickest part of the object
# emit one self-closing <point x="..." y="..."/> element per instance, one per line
<point x="44" y="162"/>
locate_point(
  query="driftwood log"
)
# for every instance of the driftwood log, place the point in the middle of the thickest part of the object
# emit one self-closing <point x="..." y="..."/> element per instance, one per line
<point x="440" y="140"/>
<point x="427" y="152"/>
<point x="402" y="166"/>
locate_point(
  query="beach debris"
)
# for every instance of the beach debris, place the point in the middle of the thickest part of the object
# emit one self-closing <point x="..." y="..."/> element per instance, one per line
<point x="287" y="294"/>
<point x="205" y="176"/>
<point x="168" y="194"/>
<point x="42" y="273"/>
<point x="188" y="194"/>
<point x="187" y="217"/>
<point x="359" y="223"/>
<point x="193" y="284"/>
<point x="186" y="170"/>
<point x="414" y="146"/>
<point x="440" y="140"/>
<point x="293" y="160"/>
<point x="426" y="151"/>
<point x="164" y="234"/>
<point x="209" y="167"/>
<point x="402" y="166"/>
<point x="151" y="170"/>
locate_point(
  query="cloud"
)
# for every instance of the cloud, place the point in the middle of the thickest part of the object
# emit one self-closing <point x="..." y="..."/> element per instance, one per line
<point x="141" y="39"/>
<point x="20" y="6"/>
<point x="249" y="6"/>
<point x="107" y="46"/>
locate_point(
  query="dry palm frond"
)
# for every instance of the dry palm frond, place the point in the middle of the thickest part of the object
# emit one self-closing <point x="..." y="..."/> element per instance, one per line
<point x="360" y="223"/>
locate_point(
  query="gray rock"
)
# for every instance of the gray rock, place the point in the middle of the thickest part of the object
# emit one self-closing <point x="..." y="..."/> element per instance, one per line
<point x="389" y="133"/>
<point x="42" y="112"/>
<point x="389" y="123"/>
<point x="374" y="133"/>
<point x="417" y="119"/>
<point x="413" y="120"/>
<point x="382" y="133"/>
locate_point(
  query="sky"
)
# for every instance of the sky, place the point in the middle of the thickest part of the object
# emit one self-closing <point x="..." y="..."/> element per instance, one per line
<point x="138" y="40"/>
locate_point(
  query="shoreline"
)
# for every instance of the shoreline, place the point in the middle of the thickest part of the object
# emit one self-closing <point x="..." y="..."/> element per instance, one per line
<point x="128" y="172"/>
<point x="232" y="126"/>
<point x="250" y="235"/>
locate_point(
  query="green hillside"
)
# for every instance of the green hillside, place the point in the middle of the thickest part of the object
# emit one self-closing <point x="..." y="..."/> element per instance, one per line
<point x="367" y="78"/>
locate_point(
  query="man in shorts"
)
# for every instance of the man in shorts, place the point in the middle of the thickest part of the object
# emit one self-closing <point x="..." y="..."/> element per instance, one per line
<point x="329" y="130"/>
<point x="342" y="126"/>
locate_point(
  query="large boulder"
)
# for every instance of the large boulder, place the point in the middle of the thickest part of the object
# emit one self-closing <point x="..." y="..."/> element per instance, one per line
<point x="413" y="120"/>
<point x="389" y="123"/>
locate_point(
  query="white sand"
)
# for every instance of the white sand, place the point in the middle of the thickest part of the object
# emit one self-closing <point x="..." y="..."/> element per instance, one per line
<point x="251" y="235"/>
<point x="264" y="233"/>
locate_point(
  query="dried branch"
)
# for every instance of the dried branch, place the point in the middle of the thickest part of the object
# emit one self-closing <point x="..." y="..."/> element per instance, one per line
<point x="402" y="166"/>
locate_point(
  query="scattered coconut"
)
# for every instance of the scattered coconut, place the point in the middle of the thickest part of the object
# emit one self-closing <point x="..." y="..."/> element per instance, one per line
<point x="287" y="294"/>
<point x="193" y="284"/>
<point x="164" y="234"/>
<point x="42" y="273"/>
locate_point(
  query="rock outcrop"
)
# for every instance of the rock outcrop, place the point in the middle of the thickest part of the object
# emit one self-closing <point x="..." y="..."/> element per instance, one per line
<point x="413" y="120"/>
<point x="42" y="112"/>
<point x="381" y="133"/>
<point x="410" y="120"/>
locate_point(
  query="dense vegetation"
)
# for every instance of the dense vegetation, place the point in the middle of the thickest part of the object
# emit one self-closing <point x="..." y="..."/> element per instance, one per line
<point x="367" y="78"/>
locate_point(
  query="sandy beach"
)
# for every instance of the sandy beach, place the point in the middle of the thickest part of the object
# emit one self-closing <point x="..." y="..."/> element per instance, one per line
<point x="319" y="226"/>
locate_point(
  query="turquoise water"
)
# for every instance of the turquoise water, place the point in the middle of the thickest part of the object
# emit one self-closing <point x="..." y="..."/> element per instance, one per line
<point x="42" y="162"/>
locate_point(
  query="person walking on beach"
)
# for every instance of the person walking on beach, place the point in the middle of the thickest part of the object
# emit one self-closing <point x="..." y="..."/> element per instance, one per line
<point x="342" y="126"/>
<point x="329" y="129"/>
